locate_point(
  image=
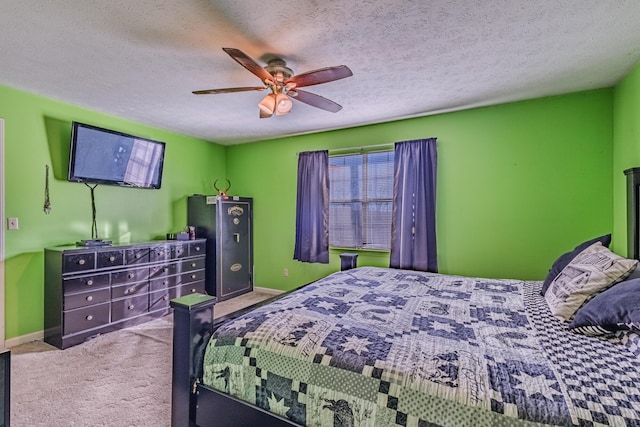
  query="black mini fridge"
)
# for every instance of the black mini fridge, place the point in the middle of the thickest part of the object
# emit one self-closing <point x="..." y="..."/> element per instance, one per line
<point x="227" y="224"/>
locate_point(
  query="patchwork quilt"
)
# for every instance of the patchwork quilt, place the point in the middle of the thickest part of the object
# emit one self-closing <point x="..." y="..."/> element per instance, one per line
<point x="384" y="347"/>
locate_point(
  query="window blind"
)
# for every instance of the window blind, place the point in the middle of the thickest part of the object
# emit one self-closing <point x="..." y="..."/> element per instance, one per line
<point x="360" y="200"/>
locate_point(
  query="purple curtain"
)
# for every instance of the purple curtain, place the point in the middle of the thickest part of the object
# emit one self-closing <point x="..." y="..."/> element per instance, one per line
<point x="413" y="222"/>
<point x="312" y="208"/>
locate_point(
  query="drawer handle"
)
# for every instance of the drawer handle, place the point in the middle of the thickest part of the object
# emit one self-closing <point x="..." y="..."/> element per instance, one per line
<point x="89" y="298"/>
<point x="89" y="282"/>
<point x="165" y="269"/>
<point x="137" y="256"/>
<point x="126" y="291"/>
<point x="164" y="282"/>
<point x="81" y="262"/>
<point x="193" y="276"/>
<point x="89" y="317"/>
<point x="166" y="297"/>
<point x="197" y="248"/>
<point x="130" y="307"/>
<point x="193" y="264"/>
<point x="131" y="275"/>
<point x="193" y="290"/>
<point x="112" y="258"/>
<point x="179" y="251"/>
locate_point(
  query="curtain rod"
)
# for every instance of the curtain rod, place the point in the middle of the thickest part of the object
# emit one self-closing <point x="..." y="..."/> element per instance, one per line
<point x="361" y="147"/>
<point x="391" y="144"/>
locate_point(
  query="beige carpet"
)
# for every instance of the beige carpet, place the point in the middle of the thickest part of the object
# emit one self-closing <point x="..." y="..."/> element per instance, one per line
<point x="118" y="379"/>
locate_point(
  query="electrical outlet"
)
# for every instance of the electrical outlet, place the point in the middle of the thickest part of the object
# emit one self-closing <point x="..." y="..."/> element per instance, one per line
<point x="285" y="272"/>
<point x="12" y="223"/>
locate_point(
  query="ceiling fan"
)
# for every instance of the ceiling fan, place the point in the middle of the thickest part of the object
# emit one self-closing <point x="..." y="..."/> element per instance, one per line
<point x="284" y="86"/>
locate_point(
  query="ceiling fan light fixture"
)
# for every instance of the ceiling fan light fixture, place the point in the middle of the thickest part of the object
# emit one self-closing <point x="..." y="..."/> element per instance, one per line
<point x="268" y="104"/>
<point x="283" y="104"/>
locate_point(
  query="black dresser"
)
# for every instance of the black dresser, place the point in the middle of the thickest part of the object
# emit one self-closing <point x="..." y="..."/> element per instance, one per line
<point x="94" y="290"/>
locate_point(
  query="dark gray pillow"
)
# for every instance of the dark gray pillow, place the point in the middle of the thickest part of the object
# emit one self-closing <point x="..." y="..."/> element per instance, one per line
<point x="566" y="258"/>
<point x="616" y="309"/>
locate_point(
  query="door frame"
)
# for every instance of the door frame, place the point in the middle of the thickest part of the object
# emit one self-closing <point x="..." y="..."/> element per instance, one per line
<point x="2" y="251"/>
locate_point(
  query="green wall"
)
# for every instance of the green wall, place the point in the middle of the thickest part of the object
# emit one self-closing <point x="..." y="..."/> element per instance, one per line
<point x="626" y="150"/>
<point x="37" y="132"/>
<point x="518" y="184"/>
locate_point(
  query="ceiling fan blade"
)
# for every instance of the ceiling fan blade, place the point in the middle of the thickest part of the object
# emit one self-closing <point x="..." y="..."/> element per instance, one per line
<point x="315" y="100"/>
<point x="227" y="90"/>
<point x="322" y="75"/>
<point x="241" y="58"/>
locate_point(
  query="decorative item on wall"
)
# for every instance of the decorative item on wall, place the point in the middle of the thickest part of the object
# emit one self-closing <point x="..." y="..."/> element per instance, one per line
<point x="283" y="85"/>
<point x="47" y="200"/>
<point x="222" y="194"/>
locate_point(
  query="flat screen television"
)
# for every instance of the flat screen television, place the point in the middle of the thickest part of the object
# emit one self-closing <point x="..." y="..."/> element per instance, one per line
<point x="103" y="156"/>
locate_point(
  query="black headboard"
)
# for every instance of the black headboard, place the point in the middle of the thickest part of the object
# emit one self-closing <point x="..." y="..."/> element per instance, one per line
<point x="633" y="212"/>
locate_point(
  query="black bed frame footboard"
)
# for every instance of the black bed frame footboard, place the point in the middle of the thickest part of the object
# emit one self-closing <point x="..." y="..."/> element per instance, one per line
<point x="192" y="325"/>
<point x="192" y="403"/>
<point x="219" y="409"/>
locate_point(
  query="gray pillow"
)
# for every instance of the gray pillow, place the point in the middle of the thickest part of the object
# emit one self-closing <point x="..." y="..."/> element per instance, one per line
<point x="564" y="259"/>
<point x="616" y="309"/>
<point x="589" y="273"/>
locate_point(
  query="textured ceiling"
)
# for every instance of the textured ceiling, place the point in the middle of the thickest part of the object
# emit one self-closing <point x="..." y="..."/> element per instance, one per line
<point x="141" y="59"/>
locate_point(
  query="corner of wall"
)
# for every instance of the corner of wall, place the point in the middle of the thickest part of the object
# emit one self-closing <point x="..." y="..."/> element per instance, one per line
<point x="626" y="149"/>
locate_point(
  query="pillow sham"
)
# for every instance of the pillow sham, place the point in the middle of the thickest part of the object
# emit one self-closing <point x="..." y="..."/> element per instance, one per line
<point x="590" y="272"/>
<point x="616" y="309"/>
<point x="564" y="259"/>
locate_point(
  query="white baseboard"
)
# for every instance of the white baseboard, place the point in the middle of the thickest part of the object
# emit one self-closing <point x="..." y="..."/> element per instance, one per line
<point x="268" y="290"/>
<point x="23" y="339"/>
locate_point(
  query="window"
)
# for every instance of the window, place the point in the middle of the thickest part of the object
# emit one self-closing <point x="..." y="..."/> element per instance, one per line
<point x="361" y="193"/>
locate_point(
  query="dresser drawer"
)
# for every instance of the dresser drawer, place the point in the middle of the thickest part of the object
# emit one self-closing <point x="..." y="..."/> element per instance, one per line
<point x="160" y="299"/>
<point x="192" y="276"/>
<point x="72" y="263"/>
<point x="197" y="248"/>
<point x="162" y="283"/>
<point x="84" y="299"/>
<point x="189" y="289"/>
<point x="85" y="318"/>
<point x="85" y="283"/>
<point x="137" y="256"/>
<point x="162" y="270"/>
<point x="129" y="289"/>
<point x="180" y="250"/>
<point x="129" y="307"/>
<point x="193" y="264"/>
<point x="110" y="259"/>
<point x="160" y="253"/>
<point x="129" y="275"/>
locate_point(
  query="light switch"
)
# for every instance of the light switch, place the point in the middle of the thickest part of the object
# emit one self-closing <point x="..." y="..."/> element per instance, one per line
<point x="12" y="223"/>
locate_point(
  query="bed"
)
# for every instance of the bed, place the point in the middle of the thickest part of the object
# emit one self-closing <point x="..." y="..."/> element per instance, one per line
<point x="375" y="346"/>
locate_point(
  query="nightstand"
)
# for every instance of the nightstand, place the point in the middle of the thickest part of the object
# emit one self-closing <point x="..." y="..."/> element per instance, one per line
<point x="348" y="261"/>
